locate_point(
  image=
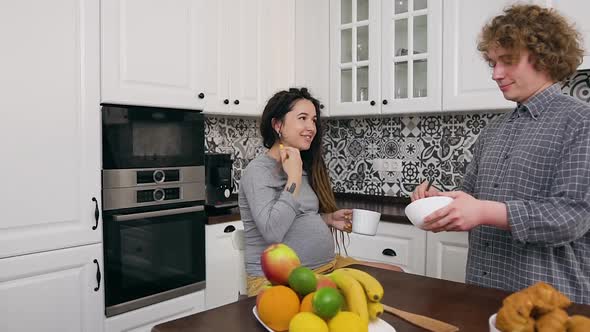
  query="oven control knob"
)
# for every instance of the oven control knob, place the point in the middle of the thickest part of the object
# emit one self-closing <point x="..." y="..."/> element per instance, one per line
<point x="159" y="195"/>
<point x="226" y="193"/>
<point x="159" y="176"/>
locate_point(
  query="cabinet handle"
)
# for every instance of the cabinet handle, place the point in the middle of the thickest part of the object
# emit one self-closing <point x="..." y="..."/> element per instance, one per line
<point x="96" y="213"/>
<point x="229" y="229"/>
<point x="201" y="95"/>
<point x="97" y="276"/>
<point x="237" y="102"/>
<point x="226" y="101"/>
<point x="384" y="101"/>
<point x="372" y="103"/>
<point x="321" y="106"/>
<point x="389" y="252"/>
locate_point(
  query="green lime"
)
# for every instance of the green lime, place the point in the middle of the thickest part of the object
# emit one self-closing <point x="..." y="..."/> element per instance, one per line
<point x="302" y="280"/>
<point x="327" y="302"/>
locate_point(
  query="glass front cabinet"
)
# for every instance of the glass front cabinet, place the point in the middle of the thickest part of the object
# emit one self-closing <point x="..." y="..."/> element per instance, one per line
<point x="385" y="56"/>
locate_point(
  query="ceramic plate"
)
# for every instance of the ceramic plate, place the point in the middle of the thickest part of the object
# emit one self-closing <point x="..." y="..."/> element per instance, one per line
<point x="377" y="326"/>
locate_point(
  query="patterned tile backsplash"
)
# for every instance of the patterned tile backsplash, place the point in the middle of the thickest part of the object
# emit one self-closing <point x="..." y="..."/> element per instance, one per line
<point x="430" y="147"/>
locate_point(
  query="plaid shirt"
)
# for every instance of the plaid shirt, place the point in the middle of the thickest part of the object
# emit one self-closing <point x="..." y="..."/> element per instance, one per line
<point x="536" y="160"/>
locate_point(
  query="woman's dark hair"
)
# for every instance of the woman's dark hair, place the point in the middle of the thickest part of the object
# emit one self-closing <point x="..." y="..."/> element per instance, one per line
<point x="313" y="162"/>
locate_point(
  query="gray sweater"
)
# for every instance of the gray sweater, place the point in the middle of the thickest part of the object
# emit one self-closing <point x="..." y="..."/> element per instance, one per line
<point x="272" y="215"/>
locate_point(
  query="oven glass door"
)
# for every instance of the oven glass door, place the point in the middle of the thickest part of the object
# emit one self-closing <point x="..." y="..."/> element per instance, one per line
<point x="151" y="253"/>
<point x="148" y="137"/>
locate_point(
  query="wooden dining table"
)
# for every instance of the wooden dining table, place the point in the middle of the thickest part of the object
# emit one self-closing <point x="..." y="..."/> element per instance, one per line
<point x="466" y="306"/>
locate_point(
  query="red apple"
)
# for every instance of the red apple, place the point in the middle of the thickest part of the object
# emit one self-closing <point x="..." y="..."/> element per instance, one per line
<point x="278" y="260"/>
<point x="324" y="281"/>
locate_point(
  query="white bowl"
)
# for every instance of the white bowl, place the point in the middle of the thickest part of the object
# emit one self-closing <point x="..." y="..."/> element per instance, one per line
<point x="492" y="323"/>
<point x="419" y="209"/>
<point x="365" y="221"/>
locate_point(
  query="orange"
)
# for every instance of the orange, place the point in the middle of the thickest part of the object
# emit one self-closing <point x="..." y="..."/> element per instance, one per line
<point x="306" y="305"/>
<point x="277" y="305"/>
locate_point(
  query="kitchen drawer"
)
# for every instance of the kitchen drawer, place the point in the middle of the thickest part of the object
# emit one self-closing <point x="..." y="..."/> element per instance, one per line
<point x="397" y="244"/>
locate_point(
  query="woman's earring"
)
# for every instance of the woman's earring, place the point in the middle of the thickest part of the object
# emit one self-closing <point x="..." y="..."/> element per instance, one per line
<point x="280" y="135"/>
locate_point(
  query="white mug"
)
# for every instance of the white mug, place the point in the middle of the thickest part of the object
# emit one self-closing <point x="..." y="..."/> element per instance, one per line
<point x="365" y="221"/>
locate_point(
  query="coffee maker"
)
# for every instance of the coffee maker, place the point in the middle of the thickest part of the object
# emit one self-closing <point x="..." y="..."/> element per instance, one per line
<point x="218" y="180"/>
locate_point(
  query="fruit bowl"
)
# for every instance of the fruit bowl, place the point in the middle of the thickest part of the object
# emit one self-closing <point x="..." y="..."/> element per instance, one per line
<point x="492" y="323"/>
<point x="378" y="325"/>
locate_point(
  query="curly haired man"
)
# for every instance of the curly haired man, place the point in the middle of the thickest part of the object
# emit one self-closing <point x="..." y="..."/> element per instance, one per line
<point x="525" y="197"/>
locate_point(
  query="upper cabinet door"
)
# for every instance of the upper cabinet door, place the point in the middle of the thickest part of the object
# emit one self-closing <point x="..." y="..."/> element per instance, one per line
<point x="411" y="37"/>
<point x="250" y="51"/>
<point x="467" y="83"/>
<point x="312" y="49"/>
<point x="355" y="34"/>
<point x="150" y="53"/>
<point x="244" y="23"/>
<point x="51" y="125"/>
<point x="214" y="49"/>
<point x="277" y="48"/>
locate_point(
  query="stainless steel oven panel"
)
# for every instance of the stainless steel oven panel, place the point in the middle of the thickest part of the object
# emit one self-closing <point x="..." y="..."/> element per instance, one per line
<point x="125" y="178"/>
<point x="159" y="213"/>
<point x="152" y="299"/>
<point x="121" y="198"/>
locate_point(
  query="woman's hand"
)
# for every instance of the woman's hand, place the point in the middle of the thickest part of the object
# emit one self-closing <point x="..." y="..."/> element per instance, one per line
<point x="291" y="161"/>
<point x="341" y="220"/>
<point x="293" y="166"/>
<point x="421" y="192"/>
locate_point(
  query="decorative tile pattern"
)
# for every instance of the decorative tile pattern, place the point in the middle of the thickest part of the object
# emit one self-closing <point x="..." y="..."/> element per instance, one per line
<point x="430" y="147"/>
<point x="578" y="86"/>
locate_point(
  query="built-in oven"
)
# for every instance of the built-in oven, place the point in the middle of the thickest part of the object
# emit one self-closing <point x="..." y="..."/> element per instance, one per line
<point x="152" y="256"/>
<point x="153" y="188"/>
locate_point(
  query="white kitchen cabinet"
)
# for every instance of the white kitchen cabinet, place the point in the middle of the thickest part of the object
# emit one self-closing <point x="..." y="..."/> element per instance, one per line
<point x="385" y="56"/>
<point x="151" y="53"/>
<point x="397" y="244"/>
<point x="224" y="57"/>
<point x="53" y="291"/>
<point x="312" y="49"/>
<point x="224" y="268"/>
<point x="235" y="39"/>
<point x="576" y="11"/>
<point x="446" y="255"/>
<point x="411" y="47"/>
<point x="467" y="78"/>
<point x="254" y="45"/>
<point x="355" y="73"/>
<point x="277" y="49"/>
<point x="143" y="319"/>
<point x="50" y="131"/>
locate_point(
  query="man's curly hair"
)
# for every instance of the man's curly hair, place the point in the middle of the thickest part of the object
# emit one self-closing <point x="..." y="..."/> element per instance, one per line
<point x="554" y="44"/>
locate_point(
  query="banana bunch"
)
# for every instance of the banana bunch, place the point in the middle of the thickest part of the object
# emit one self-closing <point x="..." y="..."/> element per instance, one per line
<point x="362" y="292"/>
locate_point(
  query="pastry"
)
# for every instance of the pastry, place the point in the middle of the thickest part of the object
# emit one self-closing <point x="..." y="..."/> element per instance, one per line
<point x="539" y="308"/>
<point x="546" y="298"/>
<point x="553" y="321"/>
<point x="578" y="323"/>
<point x="515" y="314"/>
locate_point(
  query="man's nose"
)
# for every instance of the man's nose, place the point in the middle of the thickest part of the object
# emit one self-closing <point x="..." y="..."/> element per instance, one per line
<point x="497" y="72"/>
